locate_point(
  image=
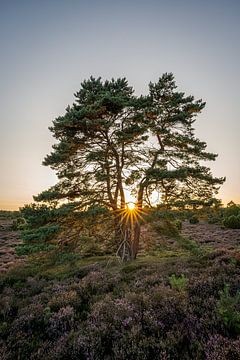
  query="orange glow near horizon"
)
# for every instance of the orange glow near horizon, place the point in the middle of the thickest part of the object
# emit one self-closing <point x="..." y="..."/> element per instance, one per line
<point x="11" y="205"/>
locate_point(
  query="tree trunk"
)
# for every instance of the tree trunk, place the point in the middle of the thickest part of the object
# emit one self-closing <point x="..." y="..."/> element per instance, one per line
<point x="122" y="238"/>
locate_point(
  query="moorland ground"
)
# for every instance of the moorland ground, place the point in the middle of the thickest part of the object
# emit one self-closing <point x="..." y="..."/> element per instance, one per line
<point x="171" y="303"/>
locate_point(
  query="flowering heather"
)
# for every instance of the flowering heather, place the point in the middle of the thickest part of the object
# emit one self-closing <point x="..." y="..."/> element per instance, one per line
<point x="131" y="311"/>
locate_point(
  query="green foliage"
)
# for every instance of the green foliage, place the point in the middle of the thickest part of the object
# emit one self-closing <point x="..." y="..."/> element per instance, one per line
<point x="27" y="249"/>
<point x="190" y="245"/>
<point x="102" y="149"/>
<point x="178" y="282"/>
<point x="178" y="224"/>
<point x="19" y="224"/>
<point x="231" y="209"/>
<point x="232" y="222"/>
<point x="89" y="246"/>
<point x="214" y="219"/>
<point x="228" y="308"/>
<point x="166" y="227"/>
<point x="59" y="306"/>
<point x="66" y="257"/>
<point x="41" y="234"/>
<point x="194" y="220"/>
<point x="36" y="215"/>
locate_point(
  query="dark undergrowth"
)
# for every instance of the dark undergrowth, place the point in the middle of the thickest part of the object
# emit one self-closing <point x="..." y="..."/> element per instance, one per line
<point x="168" y="306"/>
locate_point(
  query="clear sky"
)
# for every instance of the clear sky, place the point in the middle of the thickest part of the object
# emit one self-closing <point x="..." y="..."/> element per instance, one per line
<point x="49" y="47"/>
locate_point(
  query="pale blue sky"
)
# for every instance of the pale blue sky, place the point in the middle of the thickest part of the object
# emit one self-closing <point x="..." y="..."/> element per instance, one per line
<point x="49" y="47"/>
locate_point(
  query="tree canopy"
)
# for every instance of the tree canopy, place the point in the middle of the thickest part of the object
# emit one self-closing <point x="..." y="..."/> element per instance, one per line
<point x="111" y="140"/>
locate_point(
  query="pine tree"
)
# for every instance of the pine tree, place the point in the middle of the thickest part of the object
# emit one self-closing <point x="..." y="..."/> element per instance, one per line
<point x="110" y="141"/>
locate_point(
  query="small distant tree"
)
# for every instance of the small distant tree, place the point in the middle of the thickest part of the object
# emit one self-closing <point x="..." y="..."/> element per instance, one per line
<point x="110" y="141"/>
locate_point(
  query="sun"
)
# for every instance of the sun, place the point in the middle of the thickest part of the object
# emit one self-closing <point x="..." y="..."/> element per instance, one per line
<point x="131" y="206"/>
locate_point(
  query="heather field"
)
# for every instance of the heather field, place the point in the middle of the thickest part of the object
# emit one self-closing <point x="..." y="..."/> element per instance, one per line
<point x="178" y="300"/>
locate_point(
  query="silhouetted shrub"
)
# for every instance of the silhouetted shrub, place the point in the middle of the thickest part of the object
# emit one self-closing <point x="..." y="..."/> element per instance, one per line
<point x="194" y="220"/>
<point x="214" y="219"/>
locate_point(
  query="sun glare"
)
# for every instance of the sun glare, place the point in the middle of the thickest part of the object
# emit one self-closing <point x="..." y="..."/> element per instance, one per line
<point x="131" y="206"/>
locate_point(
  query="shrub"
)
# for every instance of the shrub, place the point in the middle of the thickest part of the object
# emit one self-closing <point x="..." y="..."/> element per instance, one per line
<point x="43" y="233"/>
<point x="166" y="227"/>
<point x="190" y="245"/>
<point x="89" y="246"/>
<point x="231" y="210"/>
<point x="19" y="224"/>
<point x="178" y="282"/>
<point x="61" y="298"/>
<point x="228" y="308"/>
<point x="26" y="249"/>
<point x="194" y="220"/>
<point x="222" y="348"/>
<point x="37" y="215"/>
<point x="232" y="222"/>
<point x="178" y="224"/>
<point x="61" y="322"/>
<point x="214" y="219"/>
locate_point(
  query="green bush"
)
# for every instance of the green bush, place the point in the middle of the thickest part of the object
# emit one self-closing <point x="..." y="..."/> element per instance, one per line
<point x="43" y="233"/>
<point x="190" y="245"/>
<point x="178" y="224"/>
<point x="214" y="219"/>
<point x="228" y="308"/>
<point x="89" y="246"/>
<point x="178" y="282"/>
<point x="19" y="224"/>
<point x="66" y="257"/>
<point x="37" y="215"/>
<point x="232" y="222"/>
<point x="166" y="227"/>
<point x="26" y="249"/>
<point x="194" y="220"/>
<point x="231" y="210"/>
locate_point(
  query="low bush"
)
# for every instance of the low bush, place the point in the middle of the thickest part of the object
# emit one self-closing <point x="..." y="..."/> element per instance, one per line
<point x="232" y="222"/>
<point x="19" y="224"/>
<point x="229" y="310"/>
<point x="190" y="245"/>
<point x="60" y="306"/>
<point x="166" y="227"/>
<point x="178" y="282"/>
<point x="233" y="209"/>
<point x="89" y="246"/>
<point x="178" y="224"/>
<point x="194" y="220"/>
<point x="40" y="234"/>
<point x="27" y="249"/>
<point x="222" y="348"/>
<point x="214" y="219"/>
